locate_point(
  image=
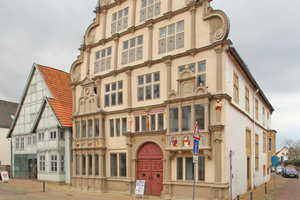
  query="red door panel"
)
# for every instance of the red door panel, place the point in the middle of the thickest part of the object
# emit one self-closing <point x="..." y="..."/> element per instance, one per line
<point x="157" y="177"/>
<point x="150" y="167"/>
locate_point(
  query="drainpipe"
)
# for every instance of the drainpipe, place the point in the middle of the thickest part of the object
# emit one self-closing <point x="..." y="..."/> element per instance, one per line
<point x="253" y="136"/>
<point x="11" y="174"/>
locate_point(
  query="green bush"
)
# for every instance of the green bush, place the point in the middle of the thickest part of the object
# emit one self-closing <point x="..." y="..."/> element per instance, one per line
<point x="296" y="162"/>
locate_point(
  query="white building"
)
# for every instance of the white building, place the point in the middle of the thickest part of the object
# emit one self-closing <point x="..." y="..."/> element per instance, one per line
<point x="7" y="114"/>
<point x="42" y="127"/>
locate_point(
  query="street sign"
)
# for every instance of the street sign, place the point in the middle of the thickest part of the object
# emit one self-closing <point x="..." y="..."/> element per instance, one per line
<point x="196" y="132"/>
<point x="196" y="147"/>
<point x="195" y="159"/>
<point x="274" y="160"/>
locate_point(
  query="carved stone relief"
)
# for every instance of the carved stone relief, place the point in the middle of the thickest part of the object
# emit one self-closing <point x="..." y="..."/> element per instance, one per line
<point x="88" y="101"/>
<point x="186" y="83"/>
<point x="219" y="23"/>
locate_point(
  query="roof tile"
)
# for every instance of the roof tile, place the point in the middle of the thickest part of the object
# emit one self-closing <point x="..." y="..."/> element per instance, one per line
<point x="58" y="83"/>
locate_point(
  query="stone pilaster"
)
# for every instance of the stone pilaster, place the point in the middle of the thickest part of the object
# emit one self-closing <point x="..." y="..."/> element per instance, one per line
<point x="217" y="138"/>
<point x="129" y="93"/>
<point x="116" y="39"/>
<point x="150" y="41"/>
<point x="88" y="55"/>
<point x="219" y="73"/>
<point x="193" y="27"/>
<point x="104" y="12"/>
<point x="98" y="88"/>
<point x="168" y="63"/>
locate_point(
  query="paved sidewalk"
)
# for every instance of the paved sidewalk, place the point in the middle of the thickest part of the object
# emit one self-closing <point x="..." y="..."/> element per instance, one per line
<point x="259" y="192"/>
<point x="19" y="189"/>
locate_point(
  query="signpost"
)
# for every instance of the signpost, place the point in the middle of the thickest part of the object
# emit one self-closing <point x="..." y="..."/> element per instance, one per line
<point x="274" y="160"/>
<point x="196" y="137"/>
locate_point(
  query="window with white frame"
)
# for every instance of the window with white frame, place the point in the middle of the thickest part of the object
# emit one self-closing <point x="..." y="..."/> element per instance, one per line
<point x="34" y="139"/>
<point x="77" y="129"/>
<point x="17" y="143"/>
<point x="102" y="60"/>
<point x="149" y="9"/>
<point x="52" y="135"/>
<point x="53" y="163"/>
<point x="61" y="135"/>
<point x="42" y="163"/>
<point x="62" y="163"/>
<point x="171" y="37"/>
<point x="22" y="142"/>
<point x="118" y="165"/>
<point x="113" y="94"/>
<point x="119" y="21"/>
<point x="148" y="86"/>
<point x="132" y="50"/>
<point x="41" y="136"/>
<point x="29" y="140"/>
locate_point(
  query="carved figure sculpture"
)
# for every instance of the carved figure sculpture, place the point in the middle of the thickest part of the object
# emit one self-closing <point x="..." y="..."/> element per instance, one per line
<point x="129" y="121"/>
<point x="218" y="110"/>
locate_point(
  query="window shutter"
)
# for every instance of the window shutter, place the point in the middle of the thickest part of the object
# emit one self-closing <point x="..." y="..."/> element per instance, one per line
<point x="162" y="46"/>
<point x="171" y="43"/>
<point x="132" y="55"/>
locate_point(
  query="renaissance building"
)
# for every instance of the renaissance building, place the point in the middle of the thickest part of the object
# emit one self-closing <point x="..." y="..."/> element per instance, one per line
<point x="148" y="70"/>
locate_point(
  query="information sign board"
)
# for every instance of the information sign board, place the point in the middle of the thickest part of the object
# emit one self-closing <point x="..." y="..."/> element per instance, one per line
<point x="274" y="160"/>
<point x="140" y="187"/>
<point x="195" y="159"/>
<point x="4" y="176"/>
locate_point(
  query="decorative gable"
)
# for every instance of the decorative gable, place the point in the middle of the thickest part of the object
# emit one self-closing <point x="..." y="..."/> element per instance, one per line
<point x="186" y="83"/>
<point x="88" y="99"/>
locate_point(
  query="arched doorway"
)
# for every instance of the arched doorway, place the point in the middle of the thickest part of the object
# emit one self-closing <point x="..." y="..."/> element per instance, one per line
<point x="150" y="167"/>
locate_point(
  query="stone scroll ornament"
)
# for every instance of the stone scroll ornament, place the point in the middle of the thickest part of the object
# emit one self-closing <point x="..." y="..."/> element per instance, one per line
<point x="219" y="22"/>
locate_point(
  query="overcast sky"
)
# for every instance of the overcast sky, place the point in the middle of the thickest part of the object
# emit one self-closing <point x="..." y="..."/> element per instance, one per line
<point x="264" y="33"/>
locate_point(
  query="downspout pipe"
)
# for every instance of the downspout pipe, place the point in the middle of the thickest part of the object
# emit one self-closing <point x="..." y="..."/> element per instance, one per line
<point x="253" y="136"/>
<point x="11" y="174"/>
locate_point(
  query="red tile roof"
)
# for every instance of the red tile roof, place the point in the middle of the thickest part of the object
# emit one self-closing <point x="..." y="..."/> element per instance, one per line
<point x="58" y="83"/>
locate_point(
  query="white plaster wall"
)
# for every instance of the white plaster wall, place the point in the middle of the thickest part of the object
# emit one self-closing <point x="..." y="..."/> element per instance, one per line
<point x="236" y="123"/>
<point x="4" y="147"/>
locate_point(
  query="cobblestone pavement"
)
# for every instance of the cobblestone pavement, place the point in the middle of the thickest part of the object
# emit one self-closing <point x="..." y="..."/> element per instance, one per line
<point x="20" y="189"/>
<point x="290" y="191"/>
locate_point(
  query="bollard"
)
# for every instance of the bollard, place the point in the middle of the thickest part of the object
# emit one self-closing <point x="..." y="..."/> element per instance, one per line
<point x="265" y="188"/>
<point x="43" y="186"/>
<point x="251" y="196"/>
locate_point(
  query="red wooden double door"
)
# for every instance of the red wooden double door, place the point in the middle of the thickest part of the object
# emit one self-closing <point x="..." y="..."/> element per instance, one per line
<point x="150" y="167"/>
